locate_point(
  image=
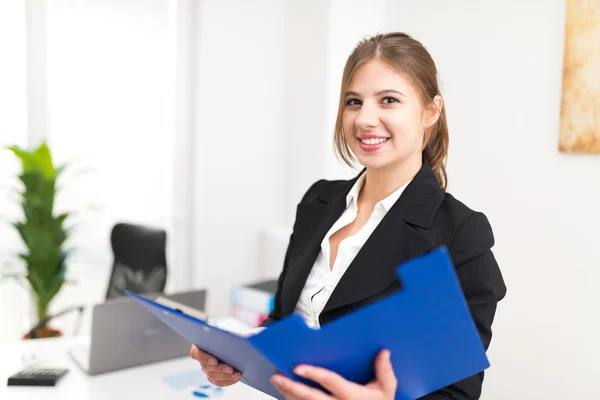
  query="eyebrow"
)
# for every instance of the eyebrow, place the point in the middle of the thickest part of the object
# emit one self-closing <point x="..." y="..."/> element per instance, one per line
<point x="379" y="93"/>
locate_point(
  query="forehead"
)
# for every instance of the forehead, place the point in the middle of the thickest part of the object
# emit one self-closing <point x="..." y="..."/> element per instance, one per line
<point x="376" y="75"/>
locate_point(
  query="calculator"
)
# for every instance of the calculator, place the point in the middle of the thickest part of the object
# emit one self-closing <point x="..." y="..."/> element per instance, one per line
<point x="37" y="377"/>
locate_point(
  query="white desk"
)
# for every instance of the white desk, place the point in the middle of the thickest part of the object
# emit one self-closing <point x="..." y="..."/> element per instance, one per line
<point x="145" y="382"/>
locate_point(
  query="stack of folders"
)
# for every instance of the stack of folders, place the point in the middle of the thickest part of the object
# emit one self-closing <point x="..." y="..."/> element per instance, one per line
<point x="253" y="303"/>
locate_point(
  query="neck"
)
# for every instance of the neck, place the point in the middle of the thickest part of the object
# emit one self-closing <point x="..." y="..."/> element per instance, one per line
<point x="381" y="182"/>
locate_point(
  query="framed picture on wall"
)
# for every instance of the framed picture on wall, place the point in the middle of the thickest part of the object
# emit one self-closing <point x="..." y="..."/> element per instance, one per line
<point x="580" y="106"/>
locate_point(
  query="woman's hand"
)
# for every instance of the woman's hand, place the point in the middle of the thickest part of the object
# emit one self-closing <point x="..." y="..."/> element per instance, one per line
<point x="382" y="388"/>
<point x="219" y="374"/>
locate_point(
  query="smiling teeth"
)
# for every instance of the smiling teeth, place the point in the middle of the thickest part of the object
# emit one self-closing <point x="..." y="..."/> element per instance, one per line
<point x="373" y="141"/>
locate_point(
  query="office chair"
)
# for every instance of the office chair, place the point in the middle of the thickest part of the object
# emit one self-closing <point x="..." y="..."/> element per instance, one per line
<point x="140" y="261"/>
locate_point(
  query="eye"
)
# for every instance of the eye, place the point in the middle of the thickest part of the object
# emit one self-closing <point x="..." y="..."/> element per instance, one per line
<point x="389" y="100"/>
<point x="352" y="102"/>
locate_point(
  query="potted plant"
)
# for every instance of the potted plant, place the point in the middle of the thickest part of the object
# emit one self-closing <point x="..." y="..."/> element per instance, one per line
<point x="42" y="232"/>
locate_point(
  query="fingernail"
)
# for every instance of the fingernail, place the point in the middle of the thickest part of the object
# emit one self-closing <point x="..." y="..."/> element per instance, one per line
<point x="300" y="371"/>
<point x="228" y="370"/>
<point x="212" y="361"/>
<point x="276" y="379"/>
<point x="236" y="375"/>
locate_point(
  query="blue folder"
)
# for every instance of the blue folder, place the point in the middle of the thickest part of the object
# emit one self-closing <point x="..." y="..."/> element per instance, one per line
<point x="427" y="327"/>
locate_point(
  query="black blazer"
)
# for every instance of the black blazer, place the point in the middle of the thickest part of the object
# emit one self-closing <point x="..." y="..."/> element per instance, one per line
<point x="423" y="218"/>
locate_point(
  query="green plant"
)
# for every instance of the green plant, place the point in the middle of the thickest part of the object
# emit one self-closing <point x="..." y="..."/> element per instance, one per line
<point x="42" y="231"/>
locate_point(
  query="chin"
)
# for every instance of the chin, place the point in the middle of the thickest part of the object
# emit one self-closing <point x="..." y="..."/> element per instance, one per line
<point x="382" y="161"/>
<point x="374" y="163"/>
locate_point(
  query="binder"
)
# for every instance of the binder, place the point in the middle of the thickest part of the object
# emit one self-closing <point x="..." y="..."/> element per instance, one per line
<point x="426" y="325"/>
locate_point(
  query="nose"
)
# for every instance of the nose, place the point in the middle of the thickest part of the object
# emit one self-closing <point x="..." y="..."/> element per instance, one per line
<point x="367" y="117"/>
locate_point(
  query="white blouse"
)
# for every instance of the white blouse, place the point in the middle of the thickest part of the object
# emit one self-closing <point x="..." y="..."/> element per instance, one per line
<point x="322" y="279"/>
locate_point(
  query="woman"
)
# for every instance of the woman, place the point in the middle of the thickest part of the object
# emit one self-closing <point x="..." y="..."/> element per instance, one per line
<point x="349" y="236"/>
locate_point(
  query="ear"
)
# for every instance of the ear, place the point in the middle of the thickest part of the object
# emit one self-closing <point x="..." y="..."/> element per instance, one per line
<point x="432" y="114"/>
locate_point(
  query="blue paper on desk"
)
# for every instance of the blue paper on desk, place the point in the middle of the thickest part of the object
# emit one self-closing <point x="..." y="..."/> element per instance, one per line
<point x="427" y="327"/>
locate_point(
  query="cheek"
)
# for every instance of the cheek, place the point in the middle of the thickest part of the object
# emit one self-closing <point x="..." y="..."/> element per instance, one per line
<point x="348" y="125"/>
<point x="405" y="127"/>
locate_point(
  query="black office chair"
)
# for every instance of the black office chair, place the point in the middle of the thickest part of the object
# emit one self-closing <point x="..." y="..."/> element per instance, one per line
<point x="140" y="261"/>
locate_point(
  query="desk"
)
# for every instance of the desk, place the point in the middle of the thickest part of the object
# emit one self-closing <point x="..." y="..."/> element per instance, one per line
<point x="145" y="382"/>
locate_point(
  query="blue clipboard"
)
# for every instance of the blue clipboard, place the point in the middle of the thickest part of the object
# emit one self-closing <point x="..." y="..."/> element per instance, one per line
<point x="427" y="327"/>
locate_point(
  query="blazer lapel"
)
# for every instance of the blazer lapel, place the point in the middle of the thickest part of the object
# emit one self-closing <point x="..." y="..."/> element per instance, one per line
<point x="313" y="221"/>
<point x="399" y="237"/>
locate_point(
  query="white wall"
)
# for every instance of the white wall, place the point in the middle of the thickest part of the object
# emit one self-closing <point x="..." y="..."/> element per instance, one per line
<point x="305" y="100"/>
<point x="110" y="104"/>
<point x="238" y="142"/>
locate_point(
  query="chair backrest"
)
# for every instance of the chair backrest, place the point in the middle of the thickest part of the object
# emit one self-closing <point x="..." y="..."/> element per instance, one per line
<point x="140" y="261"/>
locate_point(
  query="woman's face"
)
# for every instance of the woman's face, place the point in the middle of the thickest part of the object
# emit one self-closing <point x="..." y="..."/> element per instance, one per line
<point x="383" y="118"/>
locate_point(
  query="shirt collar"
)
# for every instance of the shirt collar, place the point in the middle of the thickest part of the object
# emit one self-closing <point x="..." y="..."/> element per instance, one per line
<point x="387" y="203"/>
<point x="352" y="196"/>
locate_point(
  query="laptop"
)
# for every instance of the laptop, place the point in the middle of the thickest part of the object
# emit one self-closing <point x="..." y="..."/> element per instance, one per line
<point x="123" y="335"/>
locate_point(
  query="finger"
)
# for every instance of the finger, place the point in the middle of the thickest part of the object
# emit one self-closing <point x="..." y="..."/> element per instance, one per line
<point x="223" y="383"/>
<point x="220" y="376"/>
<point x="296" y="390"/>
<point x="384" y="372"/>
<point x="286" y="395"/>
<point x="228" y="381"/>
<point x="221" y="367"/>
<point x="282" y="387"/>
<point x="331" y="381"/>
<point x="202" y="356"/>
<point x="289" y="396"/>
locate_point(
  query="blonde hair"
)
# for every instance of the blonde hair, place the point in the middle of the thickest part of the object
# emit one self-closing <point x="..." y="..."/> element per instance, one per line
<point x="409" y="57"/>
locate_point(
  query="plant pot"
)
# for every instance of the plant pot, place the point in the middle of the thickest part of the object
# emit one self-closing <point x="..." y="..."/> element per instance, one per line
<point x="34" y="318"/>
<point x="44" y="332"/>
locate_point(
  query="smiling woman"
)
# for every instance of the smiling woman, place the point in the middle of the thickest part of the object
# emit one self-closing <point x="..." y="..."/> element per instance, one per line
<point x="349" y="236"/>
<point x="391" y="110"/>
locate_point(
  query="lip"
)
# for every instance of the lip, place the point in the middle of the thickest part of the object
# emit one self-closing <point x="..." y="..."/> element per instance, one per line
<point x="369" y="148"/>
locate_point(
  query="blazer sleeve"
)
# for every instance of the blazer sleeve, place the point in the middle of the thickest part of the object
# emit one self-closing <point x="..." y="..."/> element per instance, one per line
<point x="276" y="313"/>
<point x="483" y="287"/>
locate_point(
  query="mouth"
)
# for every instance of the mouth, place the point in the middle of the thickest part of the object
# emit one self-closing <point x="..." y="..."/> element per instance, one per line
<point x="372" y="144"/>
